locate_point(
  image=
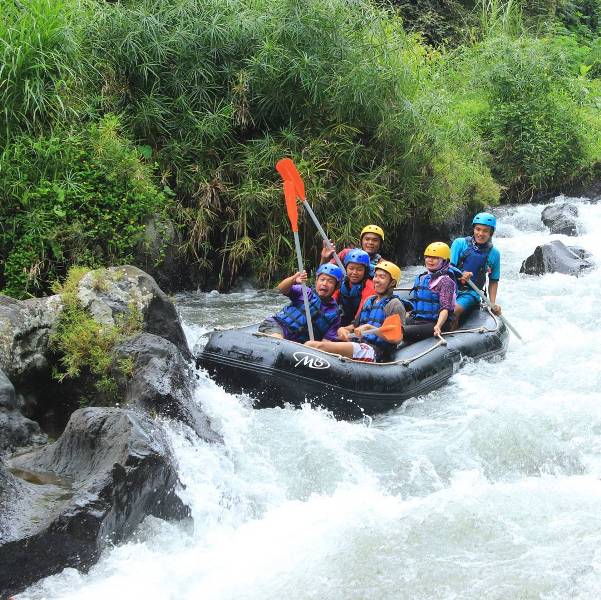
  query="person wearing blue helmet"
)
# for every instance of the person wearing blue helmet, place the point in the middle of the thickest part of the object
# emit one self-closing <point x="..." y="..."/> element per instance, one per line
<point x="291" y="322"/>
<point x="476" y="258"/>
<point x="356" y="287"/>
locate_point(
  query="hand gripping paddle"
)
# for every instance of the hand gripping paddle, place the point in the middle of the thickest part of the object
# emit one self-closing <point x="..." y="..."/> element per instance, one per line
<point x="292" y="209"/>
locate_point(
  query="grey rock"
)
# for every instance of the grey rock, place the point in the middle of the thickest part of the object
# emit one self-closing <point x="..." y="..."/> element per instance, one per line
<point x="581" y="252"/>
<point x="561" y="218"/>
<point x="161" y="382"/>
<point x="25" y="329"/>
<point x="8" y="398"/>
<point x="110" y="469"/>
<point x="555" y="257"/>
<point x="16" y="430"/>
<point x="115" y="293"/>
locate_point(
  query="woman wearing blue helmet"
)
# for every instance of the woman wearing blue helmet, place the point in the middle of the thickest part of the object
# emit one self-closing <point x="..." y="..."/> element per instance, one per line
<point x="357" y="286"/>
<point x="291" y="322"/>
<point x="477" y="258"/>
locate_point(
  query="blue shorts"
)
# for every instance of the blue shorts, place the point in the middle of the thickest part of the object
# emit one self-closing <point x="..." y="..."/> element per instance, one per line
<point x="468" y="300"/>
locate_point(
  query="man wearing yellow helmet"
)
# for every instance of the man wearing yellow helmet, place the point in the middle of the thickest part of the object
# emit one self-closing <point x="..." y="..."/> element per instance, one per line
<point x="371" y="240"/>
<point x="432" y="297"/>
<point x="376" y="308"/>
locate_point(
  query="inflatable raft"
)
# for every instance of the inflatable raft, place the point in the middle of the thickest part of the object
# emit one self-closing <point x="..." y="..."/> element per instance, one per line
<point x="275" y="371"/>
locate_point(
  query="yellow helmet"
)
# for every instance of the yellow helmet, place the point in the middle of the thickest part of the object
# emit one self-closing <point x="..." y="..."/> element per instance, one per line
<point x="391" y="269"/>
<point x="372" y="229"/>
<point x="439" y="249"/>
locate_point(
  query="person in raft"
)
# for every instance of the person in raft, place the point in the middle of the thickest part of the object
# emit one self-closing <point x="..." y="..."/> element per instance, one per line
<point x="291" y="322"/>
<point x="371" y="240"/>
<point x="476" y="257"/>
<point x="356" y="287"/>
<point x="432" y="298"/>
<point x="376" y="308"/>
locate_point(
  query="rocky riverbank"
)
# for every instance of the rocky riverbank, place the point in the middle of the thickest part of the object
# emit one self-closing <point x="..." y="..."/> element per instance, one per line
<point x="61" y="503"/>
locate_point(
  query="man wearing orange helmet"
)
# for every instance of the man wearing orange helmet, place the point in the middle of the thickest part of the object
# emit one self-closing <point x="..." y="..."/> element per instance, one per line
<point x="370" y="347"/>
<point x="371" y="240"/>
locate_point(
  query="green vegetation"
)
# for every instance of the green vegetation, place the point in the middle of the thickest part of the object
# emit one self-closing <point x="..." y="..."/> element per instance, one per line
<point x="85" y="345"/>
<point x="116" y="111"/>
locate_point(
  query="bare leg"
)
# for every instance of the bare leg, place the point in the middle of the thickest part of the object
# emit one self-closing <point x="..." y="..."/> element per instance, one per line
<point x="454" y="320"/>
<point x="342" y="348"/>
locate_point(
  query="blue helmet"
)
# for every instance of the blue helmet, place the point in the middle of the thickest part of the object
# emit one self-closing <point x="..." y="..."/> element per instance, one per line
<point x="485" y="218"/>
<point x="332" y="270"/>
<point x="357" y="256"/>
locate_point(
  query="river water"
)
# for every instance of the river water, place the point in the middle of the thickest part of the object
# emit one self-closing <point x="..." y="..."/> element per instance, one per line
<point x="487" y="488"/>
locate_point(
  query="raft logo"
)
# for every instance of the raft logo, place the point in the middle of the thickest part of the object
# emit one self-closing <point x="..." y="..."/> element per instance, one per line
<point x="310" y="360"/>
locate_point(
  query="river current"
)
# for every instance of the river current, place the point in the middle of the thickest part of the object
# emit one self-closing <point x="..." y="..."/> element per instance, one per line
<point x="489" y="487"/>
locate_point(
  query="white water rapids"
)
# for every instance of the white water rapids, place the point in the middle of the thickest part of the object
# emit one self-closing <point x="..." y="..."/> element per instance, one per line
<point x="487" y="488"/>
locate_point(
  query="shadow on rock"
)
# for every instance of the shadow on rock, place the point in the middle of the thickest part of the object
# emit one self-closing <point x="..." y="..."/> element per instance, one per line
<point x="110" y="468"/>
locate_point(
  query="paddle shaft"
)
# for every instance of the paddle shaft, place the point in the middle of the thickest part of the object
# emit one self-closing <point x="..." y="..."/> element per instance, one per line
<point x="322" y="233"/>
<point x="490" y="304"/>
<point x="299" y="258"/>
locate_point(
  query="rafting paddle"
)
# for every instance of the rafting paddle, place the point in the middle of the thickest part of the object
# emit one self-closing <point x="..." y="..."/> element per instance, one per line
<point x="288" y="171"/>
<point x="488" y="302"/>
<point x="391" y="329"/>
<point x="292" y="210"/>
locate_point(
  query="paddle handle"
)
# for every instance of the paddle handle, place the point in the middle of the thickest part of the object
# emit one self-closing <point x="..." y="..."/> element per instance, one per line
<point x="299" y="258"/>
<point x="323" y="233"/>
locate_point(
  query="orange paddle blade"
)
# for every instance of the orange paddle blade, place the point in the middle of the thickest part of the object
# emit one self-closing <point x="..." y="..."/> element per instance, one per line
<point x="288" y="171"/>
<point x="283" y="168"/>
<point x="391" y="329"/>
<point x="291" y="206"/>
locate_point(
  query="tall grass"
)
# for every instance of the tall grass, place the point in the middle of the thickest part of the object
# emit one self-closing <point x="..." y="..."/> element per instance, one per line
<point x="221" y="90"/>
<point x="211" y="93"/>
<point x="40" y="65"/>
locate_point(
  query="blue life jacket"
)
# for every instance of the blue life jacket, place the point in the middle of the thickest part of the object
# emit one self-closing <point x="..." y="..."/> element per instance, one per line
<point x="373" y="261"/>
<point x="373" y="313"/>
<point x="425" y="302"/>
<point x="295" y="319"/>
<point x="474" y="260"/>
<point x="350" y="298"/>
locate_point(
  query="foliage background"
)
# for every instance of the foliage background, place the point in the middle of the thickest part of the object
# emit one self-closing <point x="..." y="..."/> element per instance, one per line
<point x="395" y="113"/>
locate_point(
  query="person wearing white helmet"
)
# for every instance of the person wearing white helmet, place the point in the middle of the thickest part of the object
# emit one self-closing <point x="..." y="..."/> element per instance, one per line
<point x="371" y="239"/>
<point x="477" y="260"/>
<point x="376" y="308"/>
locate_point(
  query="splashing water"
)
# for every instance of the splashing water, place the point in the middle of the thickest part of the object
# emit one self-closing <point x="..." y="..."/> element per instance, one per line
<point x="488" y="487"/>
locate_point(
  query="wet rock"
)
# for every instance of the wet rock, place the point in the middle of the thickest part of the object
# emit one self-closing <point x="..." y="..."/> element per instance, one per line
<point x="119" y="293"/>
<point x="25" y="329"/>
<point x="581" y="253"/>
<point x="561" y="218"/>
<point x="161" y="381"/>
<point x="110" y="469"/>
<point x="16" y="430"/>
<point x="556" y="257"/>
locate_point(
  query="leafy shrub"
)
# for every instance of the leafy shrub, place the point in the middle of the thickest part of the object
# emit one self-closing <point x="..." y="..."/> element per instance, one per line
<point x="71" y="197"/>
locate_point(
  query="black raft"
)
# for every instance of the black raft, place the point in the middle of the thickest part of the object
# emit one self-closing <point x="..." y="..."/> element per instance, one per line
<point x="275" y="371"/>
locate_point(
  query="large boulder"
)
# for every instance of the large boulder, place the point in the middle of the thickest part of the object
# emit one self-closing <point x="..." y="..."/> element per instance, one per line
<point x="160" y="381"/>
<point x="117" y="294"/>
<point x="25" y="329"/>
<point x="556" y="257"/>
<point x="561" y="218"/>
<point x="111" y="468"/>
<point x="16" y="430"/>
